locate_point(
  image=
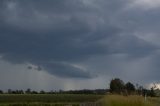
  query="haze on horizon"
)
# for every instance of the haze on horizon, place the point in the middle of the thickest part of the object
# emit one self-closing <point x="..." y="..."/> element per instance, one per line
<point x="78" y="44"/>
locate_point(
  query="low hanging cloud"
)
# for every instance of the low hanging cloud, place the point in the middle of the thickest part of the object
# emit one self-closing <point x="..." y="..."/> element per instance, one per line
<point x="65" y="70"/>
<point x="57" y="35"/>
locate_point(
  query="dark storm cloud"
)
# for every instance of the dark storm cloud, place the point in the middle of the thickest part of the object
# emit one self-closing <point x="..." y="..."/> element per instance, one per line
<point x="69" y="31"/>
<point x="65" y="70"/>
<point x="131" y="45"/>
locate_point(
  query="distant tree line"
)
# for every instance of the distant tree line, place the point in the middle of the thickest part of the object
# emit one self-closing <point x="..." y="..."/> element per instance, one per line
<point x="29" y="91"/>
<point x="117" y="86"/>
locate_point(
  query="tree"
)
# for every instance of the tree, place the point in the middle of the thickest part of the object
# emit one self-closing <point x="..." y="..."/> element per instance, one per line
<point x="9" y="91"/>
<point x="42" y="92"/>
<point x="140" y="90"/>
<point x="152" y="93"/>
<point x="1" y="92"/>
<point x="116" y="86"/>
<point x="34" y="92"/>
<point x="21" y="91"/>
<point x="28" y="91"/>
<point x="129" y="87"/>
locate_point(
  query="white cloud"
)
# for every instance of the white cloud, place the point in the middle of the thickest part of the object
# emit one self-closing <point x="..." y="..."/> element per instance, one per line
<point x="146" y="4"/>
<point x="153" y="85"/>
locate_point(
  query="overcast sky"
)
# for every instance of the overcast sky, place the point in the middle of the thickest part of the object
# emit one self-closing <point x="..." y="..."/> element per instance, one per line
<point x="78" y="44"/>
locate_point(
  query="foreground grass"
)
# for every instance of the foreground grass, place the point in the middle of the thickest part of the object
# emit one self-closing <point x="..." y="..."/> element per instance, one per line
<point x="76" y="100"/>
<point x="46" y="99"/>
<point x="40" y="104"/>
<point x="117" y="100"/>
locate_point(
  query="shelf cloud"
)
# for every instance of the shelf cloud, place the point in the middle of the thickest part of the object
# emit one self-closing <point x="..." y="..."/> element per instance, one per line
<point x="82" y="39"/>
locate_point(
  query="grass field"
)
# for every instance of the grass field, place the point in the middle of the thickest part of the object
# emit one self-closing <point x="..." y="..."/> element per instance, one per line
<point x="46" y="99"/>
<point x="117" y="100"/>
<point x="75" y="100"/>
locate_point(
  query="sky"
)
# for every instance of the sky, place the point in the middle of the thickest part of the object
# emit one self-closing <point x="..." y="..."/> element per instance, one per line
<point x="78" y="44"/>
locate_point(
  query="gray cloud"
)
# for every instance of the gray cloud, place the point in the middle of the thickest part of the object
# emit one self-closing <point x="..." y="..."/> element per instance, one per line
<point x="51" y="33"/>
<point x="65" y="70"/>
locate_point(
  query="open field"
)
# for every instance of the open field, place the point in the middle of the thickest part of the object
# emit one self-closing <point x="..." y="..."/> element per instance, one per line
<point x="46" y="99"/>
<point x="117" y="100"/>
<point x="75" y="100"/>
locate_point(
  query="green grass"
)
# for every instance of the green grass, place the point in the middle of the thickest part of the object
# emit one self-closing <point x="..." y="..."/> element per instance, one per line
<point x="46" y="99"/>
<point x="75" y="100"/>
<point x="40" y="104"/>
<point x="117" y="100"/>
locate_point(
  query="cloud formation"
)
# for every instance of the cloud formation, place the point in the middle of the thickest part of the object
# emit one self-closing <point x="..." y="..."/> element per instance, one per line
<point x="82" y="38"/>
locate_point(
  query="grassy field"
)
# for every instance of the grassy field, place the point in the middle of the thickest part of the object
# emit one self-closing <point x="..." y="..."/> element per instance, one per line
<point x="46" y="99"/>
<point x="75" y="100"/>
<point x="117" y="100"/>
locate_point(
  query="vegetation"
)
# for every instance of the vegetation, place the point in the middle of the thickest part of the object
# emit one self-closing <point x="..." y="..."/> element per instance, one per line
<point x="29" y="91"/>
<point x="54" y="98"/>
<point x="117" y="86"/>
<point x="46" y="99"/>
<point x="75" y="100"/>
<point x="130" y="87"/>
<point x="119" y="100"/>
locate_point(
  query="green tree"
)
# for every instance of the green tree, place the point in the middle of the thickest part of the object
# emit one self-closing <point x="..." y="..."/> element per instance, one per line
<point x="152" y="93"/>
<point x="117" y="86"/>
<point x="1" y="92"/>
<point x="42" y="92"/>
<point x="28" y="91"/>
<point x="129" y="87"/>
<point x="9" y="91"/>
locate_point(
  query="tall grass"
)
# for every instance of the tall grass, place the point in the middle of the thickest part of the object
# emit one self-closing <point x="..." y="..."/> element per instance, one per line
<point x="118" y="100"/>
